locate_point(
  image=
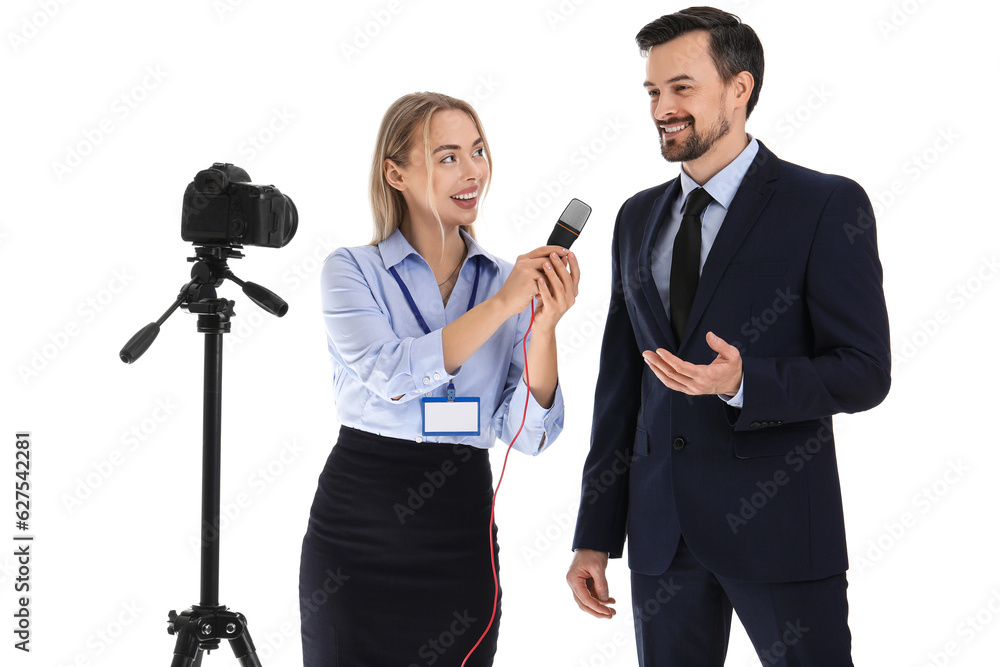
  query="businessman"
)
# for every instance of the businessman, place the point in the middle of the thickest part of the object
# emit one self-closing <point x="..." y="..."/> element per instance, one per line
<point x="746" y="310"/>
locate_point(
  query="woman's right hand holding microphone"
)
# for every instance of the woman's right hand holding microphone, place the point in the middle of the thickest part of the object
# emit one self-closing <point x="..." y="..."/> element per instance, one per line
<point x="552" y="274"/>
<point x="522" y="285"/>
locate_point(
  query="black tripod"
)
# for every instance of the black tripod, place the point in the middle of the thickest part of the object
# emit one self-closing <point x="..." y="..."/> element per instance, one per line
<point x="203" y="626"/>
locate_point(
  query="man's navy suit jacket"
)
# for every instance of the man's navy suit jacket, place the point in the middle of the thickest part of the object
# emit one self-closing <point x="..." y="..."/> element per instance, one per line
<point x="794" y="281"/>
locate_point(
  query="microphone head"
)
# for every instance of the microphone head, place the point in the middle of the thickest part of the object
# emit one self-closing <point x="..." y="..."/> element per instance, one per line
<point x="570" y="223"/>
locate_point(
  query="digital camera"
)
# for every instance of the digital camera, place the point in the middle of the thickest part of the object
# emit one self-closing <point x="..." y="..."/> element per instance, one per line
<point x="222" y="207"/>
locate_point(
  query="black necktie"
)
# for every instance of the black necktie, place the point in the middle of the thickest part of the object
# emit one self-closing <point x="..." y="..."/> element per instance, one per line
<point x="685" y="264"/>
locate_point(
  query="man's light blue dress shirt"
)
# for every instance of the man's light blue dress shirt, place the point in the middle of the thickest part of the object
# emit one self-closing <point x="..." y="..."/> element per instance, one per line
<point x="722" y="187"/>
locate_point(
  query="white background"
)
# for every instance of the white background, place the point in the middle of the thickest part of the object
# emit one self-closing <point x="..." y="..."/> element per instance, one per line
<point x="93" y="247"/>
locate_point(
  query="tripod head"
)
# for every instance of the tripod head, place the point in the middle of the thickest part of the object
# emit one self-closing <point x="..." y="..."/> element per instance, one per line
<point x="198" y="296"/>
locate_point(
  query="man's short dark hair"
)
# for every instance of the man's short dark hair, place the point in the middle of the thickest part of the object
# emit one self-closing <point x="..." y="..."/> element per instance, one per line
<point x="733" y="45"/>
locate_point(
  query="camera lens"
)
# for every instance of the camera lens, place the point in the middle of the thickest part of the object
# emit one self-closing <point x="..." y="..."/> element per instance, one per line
<point x="291" y="221"/>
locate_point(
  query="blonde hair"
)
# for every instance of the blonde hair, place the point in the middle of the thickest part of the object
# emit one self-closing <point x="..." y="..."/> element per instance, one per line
<point x="396" y="137"/>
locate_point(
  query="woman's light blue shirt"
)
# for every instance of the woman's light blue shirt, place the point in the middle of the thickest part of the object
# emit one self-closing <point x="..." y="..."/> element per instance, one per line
<point x="379" y="351"/>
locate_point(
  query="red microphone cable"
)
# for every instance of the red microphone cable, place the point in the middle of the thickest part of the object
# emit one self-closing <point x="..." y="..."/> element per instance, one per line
<point x="524" y="416"/>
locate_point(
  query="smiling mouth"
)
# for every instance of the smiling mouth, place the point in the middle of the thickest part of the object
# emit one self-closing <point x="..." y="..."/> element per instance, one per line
<point x="471" y="195"/>
<point x="673" y="129"/>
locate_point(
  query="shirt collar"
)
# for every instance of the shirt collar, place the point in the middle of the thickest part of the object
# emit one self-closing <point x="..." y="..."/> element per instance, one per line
<point x="723" y="186"/>
<point x="396" y="248"/>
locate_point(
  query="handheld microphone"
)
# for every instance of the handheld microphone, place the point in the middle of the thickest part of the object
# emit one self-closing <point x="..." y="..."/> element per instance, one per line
<point x="570" y="224"/>
<point x="567" y="228"/>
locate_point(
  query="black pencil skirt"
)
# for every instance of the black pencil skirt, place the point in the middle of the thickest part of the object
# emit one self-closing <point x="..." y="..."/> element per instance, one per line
<point x="395" y="568"/>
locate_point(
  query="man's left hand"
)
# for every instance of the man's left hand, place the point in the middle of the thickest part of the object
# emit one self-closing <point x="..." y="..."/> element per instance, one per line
<point x="722" y="376"/>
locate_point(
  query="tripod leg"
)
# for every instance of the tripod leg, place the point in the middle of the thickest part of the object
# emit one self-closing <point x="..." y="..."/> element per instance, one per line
<point x="186" y="650"/>
<point x="244" y="650"/>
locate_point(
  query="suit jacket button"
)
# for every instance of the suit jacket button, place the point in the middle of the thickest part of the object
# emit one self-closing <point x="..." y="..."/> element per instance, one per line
<point x="754" y="424"/>
<point x="679" y="443"/>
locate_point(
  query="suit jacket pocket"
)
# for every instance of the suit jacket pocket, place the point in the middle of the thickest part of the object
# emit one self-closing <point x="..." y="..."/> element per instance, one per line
<point x="777" y="440"/>
<point x="756" y="269"/>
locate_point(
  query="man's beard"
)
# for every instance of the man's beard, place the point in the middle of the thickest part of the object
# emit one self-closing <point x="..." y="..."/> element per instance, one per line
<point x="695" y="145"/>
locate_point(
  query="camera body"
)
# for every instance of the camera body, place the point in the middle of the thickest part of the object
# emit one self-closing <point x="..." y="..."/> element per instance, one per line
<point x="222" y="207"/>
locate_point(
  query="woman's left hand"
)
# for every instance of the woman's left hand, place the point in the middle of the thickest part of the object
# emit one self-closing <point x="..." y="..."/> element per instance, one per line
<point x="557" y="292"/>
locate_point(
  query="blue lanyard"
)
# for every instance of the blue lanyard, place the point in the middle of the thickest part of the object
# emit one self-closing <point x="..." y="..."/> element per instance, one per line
<point x="413" y="304"/>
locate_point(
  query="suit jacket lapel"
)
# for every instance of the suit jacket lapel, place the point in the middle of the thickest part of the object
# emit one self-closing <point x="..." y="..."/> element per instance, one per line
<point x="751" y="197"/>
<point x="654" y="223"/>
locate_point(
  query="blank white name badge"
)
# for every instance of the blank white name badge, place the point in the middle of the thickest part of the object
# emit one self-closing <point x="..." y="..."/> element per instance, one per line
<point x="451" y="417"/>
